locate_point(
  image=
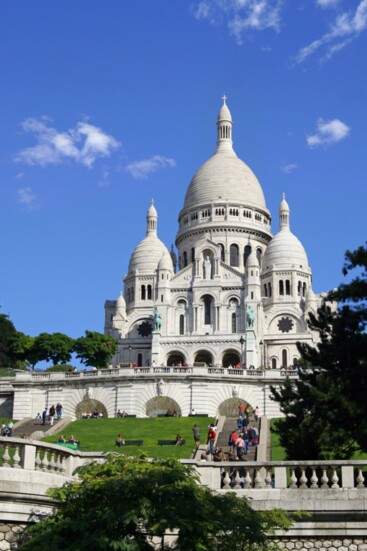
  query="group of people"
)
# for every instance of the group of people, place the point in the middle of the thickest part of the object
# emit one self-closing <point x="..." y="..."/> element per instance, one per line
<point x="120" y="414"/>
<point x="89" y="415"/>
<point x="71" y="440"/>
<point x="7" y="428"/>
<point x="50" y="414"/>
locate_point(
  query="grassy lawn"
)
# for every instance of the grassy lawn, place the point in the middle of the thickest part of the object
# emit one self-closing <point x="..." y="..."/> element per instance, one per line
<point x="100" y="434"/>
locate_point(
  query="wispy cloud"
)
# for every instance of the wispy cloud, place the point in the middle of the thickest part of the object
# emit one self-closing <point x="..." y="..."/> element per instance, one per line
<point x="327" y="3"/>
<point x="240" y="15"/>
<point x="104" y="180"/>
<point x="346" y="27"/>
<point x="328" y="133"/>
<point x="140" y="170"/>
<point x="83" y="144"/>
<point x="288" y="168"/>
<point x="26" y="197"/>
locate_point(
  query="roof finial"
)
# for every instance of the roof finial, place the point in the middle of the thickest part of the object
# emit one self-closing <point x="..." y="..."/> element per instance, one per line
<point x="152" y="201"/>
<point x="283" y="196"/>
<point x="224" y="97"/>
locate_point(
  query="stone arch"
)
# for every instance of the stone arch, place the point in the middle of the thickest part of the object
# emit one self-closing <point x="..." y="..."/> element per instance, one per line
<point x="175" y="357"/>
<point x="204" y="356"/>
<point x="229" y="407"/>
<point x="89" y="406"/>
<point x="159" y="405"/>
<point x="231" y="357"/>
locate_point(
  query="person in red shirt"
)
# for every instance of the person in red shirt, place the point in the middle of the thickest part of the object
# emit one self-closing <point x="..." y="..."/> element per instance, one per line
<point x="211" y="439"/>
<point x="241" y="409"/>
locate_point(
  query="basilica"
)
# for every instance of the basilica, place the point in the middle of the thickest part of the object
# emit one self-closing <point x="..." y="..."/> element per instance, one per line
<point x="232" y="294"/>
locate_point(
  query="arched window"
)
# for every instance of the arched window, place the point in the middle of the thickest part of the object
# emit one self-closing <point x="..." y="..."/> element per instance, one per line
<point x="182" y="324"/>
<point x="265" y="290"/>
<point x="143" y="292"/>
<point x="287" y="287"/>
<point x="246" y="254"/>
<point x="149" y="292"/>
<point x="234" y="323"/>
<point x="140" y="360"/>
<point x="132" y="293"/>
<point x="281" y="287"/>
<point x="128" y="295"/>
<point x="233" y="255"/>
<point x="193" y="254"/>
<point x="208" y="300"/>
<point x="304" y="290"/>
<point x="284" y="358"/>
<point x="184" y="259"/>
<point x="222" y="252"/>
<point x="269" y="289"/>
<point x="299" y="288"/>
<point x="259" y="255"/>
<point x="273" y="363"/>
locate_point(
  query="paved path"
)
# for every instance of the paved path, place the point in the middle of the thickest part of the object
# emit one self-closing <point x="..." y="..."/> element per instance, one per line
<point x="230" y="425"/>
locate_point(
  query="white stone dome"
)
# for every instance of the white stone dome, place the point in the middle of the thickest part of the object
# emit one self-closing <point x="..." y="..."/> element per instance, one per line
<point x="165" y="262"/>
<point x="121" y="304"/>
<point x="147" y="255"/>
<point x="224" y="178"/>
<point x="285" y="251"/>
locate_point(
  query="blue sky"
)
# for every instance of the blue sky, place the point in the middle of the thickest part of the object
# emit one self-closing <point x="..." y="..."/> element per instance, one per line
<point x="107" y="104"/>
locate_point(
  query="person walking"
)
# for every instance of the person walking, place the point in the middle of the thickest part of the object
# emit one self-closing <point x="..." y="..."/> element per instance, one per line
<point x="44" y="416"/>
<point x="58" y="411"/>
<point x="196" y="431"/>
<point x="211" y="440"/>
<point x="52" y="414"/>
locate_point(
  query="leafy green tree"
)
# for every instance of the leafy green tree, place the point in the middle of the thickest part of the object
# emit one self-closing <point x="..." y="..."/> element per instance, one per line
<point x="22" y="348"/>
<point x="132" y="504"/>
<point x="7" y="332"/>
<point x="326" y="409"/>
<point x="95" y="349"/>
<point x="55" y="347"/>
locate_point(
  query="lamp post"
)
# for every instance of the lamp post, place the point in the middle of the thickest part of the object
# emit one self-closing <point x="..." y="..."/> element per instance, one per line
<point x="130" y="348"/>
<point x="242" y="342"/>
<point x="261" y="343"/>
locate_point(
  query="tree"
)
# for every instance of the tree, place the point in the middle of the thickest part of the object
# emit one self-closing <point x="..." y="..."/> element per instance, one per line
<point x="95" y="349"/>
<point x="22" y="348"/>
<point x="7" y="332"/>
<point x="56" y="347"/>
<point x="326" y="409"/>
<point x="132" y="504"/>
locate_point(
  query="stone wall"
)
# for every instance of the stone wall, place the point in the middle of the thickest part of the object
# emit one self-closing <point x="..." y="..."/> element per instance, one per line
<point x="10" y="535"/>
<point x="320" y="544"/>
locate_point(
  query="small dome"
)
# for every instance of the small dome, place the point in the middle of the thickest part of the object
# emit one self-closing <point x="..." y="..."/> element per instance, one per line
<point x="147" y="255"/>
<point x="152" y="211"/>
<point x="120" y="304"/>
<point x="310" y="295"/>
<point x="224" y="113"/>
<point x="165" y="262"/>
<point x="283" y="207"/>
<point x="252" y="259"/>
<point x="285" y="251"/>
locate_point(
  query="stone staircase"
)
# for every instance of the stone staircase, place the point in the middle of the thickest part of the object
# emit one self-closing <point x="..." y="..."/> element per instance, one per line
<point x="230" y="424"/>
<point x="33" y="428"/>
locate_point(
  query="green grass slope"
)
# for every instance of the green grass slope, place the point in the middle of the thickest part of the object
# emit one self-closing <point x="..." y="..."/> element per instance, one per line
<point x="100" y="434"/>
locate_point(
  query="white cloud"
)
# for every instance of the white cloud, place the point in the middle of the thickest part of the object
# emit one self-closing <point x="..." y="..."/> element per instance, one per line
<point x="328" y="133"/>
<point x="240" y="15"/>
<point x="346" y="27"/>
<point x="19" y="175"/>
<point x="327" y="3"/>
<point x="288" y="168"/>
<point x="82" y="144"/>
<point x="142" y="169"/>
<point x="104" y="180"/>
<point x="26" y="197"/>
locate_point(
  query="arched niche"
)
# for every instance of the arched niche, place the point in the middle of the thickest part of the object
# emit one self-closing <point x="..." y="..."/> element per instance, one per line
<point x="229" y="407"/>
<point x="160" y="405"/>
<point x="90" y="406"/>
<point x="204" y="356"/>
<point x="175" y="357"/>
<point x="230" y="357"/>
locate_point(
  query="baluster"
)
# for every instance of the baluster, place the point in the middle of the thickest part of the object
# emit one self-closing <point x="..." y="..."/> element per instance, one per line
<point x="314" y="479"/>
<point x="237" y="480"/>
<point x="62" y="466"/>
<point x="44" y="462"/>
<point x="16" y="458"/>
<point x="360" y="479"/>
<point x="293" y="485"/>
<point x="334" y="479"/>
<point x="6" y="456"/>
<point x="268" y="478"/>
<point x="37" y="461"/>
<point x="258" y="481"/>
<point x="324" y="479"/>
<point x="303" y="479"/>
<point x="226" y="480"/>
<point x="52" y="463"/>
<point x="248" y="481"/>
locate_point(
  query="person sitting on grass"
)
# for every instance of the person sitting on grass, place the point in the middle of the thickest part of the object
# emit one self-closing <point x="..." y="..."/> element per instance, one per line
<point x="62" y="439"/>
<point x="119" y="441"/>
<point x="73" y="440"/>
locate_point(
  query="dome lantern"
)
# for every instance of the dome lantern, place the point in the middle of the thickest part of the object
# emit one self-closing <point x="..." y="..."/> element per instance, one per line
<point x="284" y="212"/>
<point x="224" y="126"/>
<point x="152" y="218"/>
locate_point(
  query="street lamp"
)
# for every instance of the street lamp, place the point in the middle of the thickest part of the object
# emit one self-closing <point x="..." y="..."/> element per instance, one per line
<point x="261" y="343"/>
<point x="242" y="342"/>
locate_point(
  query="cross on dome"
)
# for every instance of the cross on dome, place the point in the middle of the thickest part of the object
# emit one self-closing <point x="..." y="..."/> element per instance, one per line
<point x="224" y="97"/>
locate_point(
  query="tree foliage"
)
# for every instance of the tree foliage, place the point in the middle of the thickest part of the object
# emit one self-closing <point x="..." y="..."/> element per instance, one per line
<point x="95" y="349"/>
<point x="7" y="332"/>
<point x="54" y="347"/>
<point x="326" y="409"/>
<point x="131" y="504"/>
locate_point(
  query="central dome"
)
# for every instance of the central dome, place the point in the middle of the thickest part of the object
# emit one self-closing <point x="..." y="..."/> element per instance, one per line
<point x="224" y="177"/>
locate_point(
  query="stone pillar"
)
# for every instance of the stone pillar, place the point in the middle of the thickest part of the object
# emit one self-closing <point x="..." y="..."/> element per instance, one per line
<point x="156" y="348"/>
<point x="250" y="353"/>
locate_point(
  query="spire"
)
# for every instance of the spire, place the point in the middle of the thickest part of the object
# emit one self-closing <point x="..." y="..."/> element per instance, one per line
<point x="224" y="126"/>
<point x="284" y="212"/>
<point x="152" y="218"/>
